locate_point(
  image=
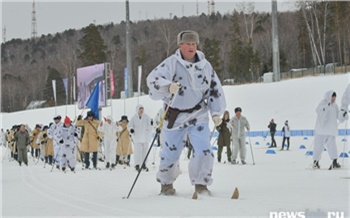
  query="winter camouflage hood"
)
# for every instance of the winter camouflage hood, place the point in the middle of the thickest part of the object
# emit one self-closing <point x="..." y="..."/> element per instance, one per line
<point x="328" y="96"/>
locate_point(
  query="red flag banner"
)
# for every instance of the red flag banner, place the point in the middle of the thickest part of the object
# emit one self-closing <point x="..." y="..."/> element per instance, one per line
<point x="112" y="82"/>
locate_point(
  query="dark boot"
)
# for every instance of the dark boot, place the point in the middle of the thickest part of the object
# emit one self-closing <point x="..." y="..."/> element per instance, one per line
<point x="316" y="165"/>
<point x="107" y="165"/>
<point x="167" y="189"/>
<point x="335" y="164"/>
<point x="46" y="159"/>
<point x="20" y="163"/>
<point x="137" y="167"/>
<point x="144" y="167"/>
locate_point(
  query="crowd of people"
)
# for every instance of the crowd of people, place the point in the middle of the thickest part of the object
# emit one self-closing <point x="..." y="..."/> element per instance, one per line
<point x="190" y="90"/>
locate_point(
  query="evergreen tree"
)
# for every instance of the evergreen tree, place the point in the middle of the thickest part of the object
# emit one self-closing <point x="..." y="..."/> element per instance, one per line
<point x="60" y="91"/>
<point x="236" y="52"/>
<point x="211" y="50"/>
<point x="93" y="48"/>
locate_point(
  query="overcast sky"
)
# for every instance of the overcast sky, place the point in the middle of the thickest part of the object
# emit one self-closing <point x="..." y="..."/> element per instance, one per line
<point x="57" y="16"/>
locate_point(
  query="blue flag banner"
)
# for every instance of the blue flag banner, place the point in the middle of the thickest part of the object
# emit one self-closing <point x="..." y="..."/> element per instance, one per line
<point x="92" y="103"/>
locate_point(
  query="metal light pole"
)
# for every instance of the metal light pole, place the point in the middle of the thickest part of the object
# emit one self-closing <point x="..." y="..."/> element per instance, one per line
<point x="128" y="53"/>
<point x="275" y="49"/>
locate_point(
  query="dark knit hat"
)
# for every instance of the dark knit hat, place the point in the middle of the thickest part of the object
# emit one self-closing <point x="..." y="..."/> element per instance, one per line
<point x="57" y="117"/>
<point x="90" y="114"/>
<point x="334" y="94"/>
<point x="187" y="36"/>
<point x="124" y="117"/>
<point x="238" y="109"/>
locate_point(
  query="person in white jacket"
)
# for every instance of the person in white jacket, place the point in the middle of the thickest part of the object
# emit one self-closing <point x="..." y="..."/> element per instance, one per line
<point x="140" y="127"/>
<point x="326" y="129"/>
<point x="109" y="130"/>
<point x="68" y="138"/>
<point x="239" y="123"/>
<point x="187" y="83"/>
<point x="286" y="135"/>
<point x="345" y="101"/>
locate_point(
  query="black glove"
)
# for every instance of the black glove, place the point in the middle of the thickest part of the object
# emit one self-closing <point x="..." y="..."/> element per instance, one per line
<point x="344" y="114"/>
<point x="151" y="122"/>
<point x="158" y="130"/>
<point x="61" y="141"/>
<point x="132" y="131"/>
<point x="75" y="134"/>
<point x="80" y="117"/>
<point x="44" y="135"/>
<point x="42" y="142"/>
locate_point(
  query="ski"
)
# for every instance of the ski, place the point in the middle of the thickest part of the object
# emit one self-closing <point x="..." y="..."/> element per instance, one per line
<point x="235" y="194"/>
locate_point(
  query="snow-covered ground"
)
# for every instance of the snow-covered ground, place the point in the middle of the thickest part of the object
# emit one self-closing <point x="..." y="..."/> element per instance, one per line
<point x="281" y="182"/>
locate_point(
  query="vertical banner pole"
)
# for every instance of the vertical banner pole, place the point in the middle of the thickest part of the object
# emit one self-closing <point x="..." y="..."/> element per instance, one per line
<point x="54" y="94"/>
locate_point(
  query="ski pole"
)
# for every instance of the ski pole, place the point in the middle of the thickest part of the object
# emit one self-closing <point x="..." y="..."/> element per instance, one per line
<point x="251" y="149"/>
<point x="150" y="148"/>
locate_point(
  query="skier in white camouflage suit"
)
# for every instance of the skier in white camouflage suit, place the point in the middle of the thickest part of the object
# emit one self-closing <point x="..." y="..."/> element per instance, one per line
<point x="52" y="134"/>
<point x="196" y="90"/>
<point x="68" y="136"/>
<point x="326" y="129"/>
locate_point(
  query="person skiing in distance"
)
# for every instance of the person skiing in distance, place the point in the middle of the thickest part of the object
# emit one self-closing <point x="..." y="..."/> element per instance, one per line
<point x="272" y="126"/>
<point x="140" y="126"/>
<point x="68" y="140"/>
<point x="124" y="146"/>
<point x="22" y="139"/>
<point x="344" y="107"/>
<point x="238" y="123"/>
<point x="90" y="142"/>
<point x="109" y="130"/>
<point x="224" y="138"/>
<point x="187" y="83"/>
<point x="35" y="149"/>
<point x="286" y="135"/>
<point x="53" y="134"/>
<point x="326" y="129"/>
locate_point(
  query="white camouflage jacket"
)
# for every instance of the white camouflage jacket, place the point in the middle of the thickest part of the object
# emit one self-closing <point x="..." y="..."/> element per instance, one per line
<point x="199" y="85"/>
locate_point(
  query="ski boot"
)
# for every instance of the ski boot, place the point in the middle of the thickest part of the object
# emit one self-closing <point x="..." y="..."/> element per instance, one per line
<point x="144" y="167"/>
<point x="167" y="189"/>
<point x="316" y="165"/>
<point x="107" y="165"/>
<point x="243" y="162"/>
<point x="137" y="167"/>
<point x="201" y="188"/>
<point x="335" y="164"/>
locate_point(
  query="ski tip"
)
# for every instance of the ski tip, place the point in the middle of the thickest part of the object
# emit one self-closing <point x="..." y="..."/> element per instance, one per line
<point x="235" y="194"/>
<point x="195" y="196"/>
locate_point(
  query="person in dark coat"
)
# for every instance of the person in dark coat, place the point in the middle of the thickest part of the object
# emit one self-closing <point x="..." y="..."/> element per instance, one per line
<point x="272" y="127"/>
<point x="22" y="140"/>
<point x="224" y="139"/>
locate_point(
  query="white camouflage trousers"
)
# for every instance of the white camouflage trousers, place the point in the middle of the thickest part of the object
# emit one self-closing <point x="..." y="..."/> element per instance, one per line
<point x="201" y="163"/>
<point x="68" y="156"/>
<point x="57" y="156"/>
<point x="325" y="141"/>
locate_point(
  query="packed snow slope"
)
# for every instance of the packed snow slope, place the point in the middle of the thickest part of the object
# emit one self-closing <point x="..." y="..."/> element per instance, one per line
<point x="277" y="183"/>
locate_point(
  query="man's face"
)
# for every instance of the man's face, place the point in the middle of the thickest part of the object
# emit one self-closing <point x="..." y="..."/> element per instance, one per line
<point x="109" y="121"/>
<point x="67" y="125"/>
<point x="90" y="117"/>
<point x="57" y="120"/>
<point x="22" y="128"/>
<point x="188" y="50"/>
<point x="333" y="99"/>
<point x="238" y="113"/>
<point x="141" y="111"/>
